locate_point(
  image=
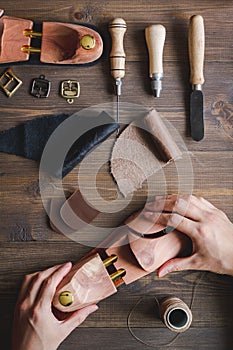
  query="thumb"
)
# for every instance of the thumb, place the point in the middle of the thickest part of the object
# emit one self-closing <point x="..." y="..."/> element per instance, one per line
<point x="177" y="264"/>
<point x="78" y="317"/>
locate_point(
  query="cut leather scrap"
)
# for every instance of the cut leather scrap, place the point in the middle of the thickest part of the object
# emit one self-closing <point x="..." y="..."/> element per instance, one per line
<point x="141" y="150"/>
<point x="59" y="43"/>
<point x="29" y="139"/>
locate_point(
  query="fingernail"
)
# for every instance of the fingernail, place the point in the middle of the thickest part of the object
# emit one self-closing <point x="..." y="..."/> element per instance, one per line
<point x="162" y="273"/>
<point x="67" y="265"/>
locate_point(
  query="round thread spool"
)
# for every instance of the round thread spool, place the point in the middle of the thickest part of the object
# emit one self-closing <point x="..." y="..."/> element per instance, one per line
<point x="175" y="314"/>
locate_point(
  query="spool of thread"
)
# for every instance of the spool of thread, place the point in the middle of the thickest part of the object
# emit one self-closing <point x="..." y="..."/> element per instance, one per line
<point x="175" y="314"/>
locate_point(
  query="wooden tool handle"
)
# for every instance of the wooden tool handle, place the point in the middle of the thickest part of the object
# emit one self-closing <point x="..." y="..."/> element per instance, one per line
<point x="196" y="41"/>
<point x="117" y="29"/>
<point x="155" y="38"/>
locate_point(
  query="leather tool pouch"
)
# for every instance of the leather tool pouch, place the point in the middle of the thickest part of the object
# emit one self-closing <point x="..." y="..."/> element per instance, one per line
<point x="53" y="42"/>
<point x="137" y="256"/>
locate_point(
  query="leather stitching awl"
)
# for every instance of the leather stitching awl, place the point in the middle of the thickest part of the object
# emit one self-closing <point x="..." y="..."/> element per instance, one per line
<point x="88" y="282"/>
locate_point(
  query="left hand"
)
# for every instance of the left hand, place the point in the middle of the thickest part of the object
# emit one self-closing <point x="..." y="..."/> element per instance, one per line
<point x="35" y="326"/>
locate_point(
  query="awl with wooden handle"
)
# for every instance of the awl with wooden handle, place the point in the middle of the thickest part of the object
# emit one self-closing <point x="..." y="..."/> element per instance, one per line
<point x="155" y="39"/>
<point x="196" y="40"/>
<point x="117" y="29"/>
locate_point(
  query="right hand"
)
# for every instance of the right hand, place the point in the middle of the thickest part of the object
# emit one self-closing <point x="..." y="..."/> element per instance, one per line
<point x="209" y="229"/>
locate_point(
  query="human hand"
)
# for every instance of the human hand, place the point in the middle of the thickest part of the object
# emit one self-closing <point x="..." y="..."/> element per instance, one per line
<point x="209" y="229"/>
<point x="35" y="327"/>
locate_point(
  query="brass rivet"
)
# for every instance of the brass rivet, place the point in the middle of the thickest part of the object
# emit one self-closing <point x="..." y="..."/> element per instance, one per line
<point x="87" y="42"/>
<point x="66" y="298"/>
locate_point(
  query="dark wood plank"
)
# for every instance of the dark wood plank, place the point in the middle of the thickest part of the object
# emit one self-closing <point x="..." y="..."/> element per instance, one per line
<point x="28" y="244"/>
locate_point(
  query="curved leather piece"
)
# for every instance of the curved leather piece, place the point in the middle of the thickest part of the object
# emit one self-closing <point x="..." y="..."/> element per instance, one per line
<point x="61" y="44"/>
<point x="12" y="39"/>
<point x="151" y="254"/>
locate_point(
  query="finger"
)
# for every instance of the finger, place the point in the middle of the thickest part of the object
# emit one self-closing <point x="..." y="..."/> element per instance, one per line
<point x="212" y="208"/>
<point x="49" y="285"/>
<point x="182" y="224"/>
<point x="178" y="264"/>
<point x="36" y="283"/>
<point x="26" y="286"/>
<point x="78" y="317"/>
<point x="184" y="205"/>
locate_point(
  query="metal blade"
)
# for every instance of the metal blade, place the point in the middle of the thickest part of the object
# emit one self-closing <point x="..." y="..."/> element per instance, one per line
<point x="196" y="115"/>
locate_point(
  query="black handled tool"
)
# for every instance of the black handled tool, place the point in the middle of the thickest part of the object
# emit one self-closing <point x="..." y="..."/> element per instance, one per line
<point x="196" y="58"/>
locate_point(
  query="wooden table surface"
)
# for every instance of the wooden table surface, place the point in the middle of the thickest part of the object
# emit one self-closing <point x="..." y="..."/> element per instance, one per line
<point x="27" y="242"/>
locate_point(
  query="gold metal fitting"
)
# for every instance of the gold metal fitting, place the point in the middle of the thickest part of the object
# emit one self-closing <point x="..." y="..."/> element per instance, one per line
<point x="30" y="49"/>
<point x="70" y="89"/>
<point x="119" y="273"/>
<point x="66" y="298"/>
<point x="87" y="42"/>
<point x="9" y="82"/>
<point x="31" y="33"/>
<point x="110" y="260"/>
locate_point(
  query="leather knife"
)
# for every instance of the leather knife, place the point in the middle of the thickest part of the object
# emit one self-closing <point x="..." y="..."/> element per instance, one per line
<point x="196" y="41"/>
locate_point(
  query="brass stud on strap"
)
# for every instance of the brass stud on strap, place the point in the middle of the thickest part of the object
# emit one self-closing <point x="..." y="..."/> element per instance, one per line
<point x="30" y="49"/>
<point x="119" y="273"/>
<point x="31" y="33"/>
<point x="87" y="42"/>
<point x="66" y="298"/>
<point x="110" y="260"/>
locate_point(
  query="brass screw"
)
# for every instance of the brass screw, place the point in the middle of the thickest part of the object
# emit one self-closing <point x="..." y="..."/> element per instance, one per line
<point x="87" y="42"/>
<point x="66" y="298"/>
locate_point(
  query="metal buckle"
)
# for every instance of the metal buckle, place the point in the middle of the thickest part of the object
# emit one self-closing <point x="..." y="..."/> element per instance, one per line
<point x="40" y="87"/>
<point x="70" y="89"/>
<point x="9" y="82"/>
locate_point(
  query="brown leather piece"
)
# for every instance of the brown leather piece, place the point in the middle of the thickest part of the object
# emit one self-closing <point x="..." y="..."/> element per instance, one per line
<point x="139" y="256"/>
<point x="76" y="212"/>
<point x="12" y="39"/>
<point x="140" y="151"/>
<point x="61" y="44"/>
<point x="56" y="222"/>
<point x="88" y="282"/>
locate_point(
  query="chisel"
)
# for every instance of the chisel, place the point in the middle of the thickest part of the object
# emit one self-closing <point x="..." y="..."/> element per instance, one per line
<point x="196" y="40"/>
<point x="117" y="28"/>
<point x="155" y="38"/>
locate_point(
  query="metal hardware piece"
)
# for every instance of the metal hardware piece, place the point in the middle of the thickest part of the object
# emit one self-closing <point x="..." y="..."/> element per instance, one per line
<point x="119" y="273"/>
<point x="70" y="89"/>
<point x="30" y="49"/>
<point x="31" y="33"/>
<point x="9" y="82"/>
<point x="87" y="42"/>
<point x="40" y="87"/>
<point x="66" y="298"/>
<point x="110" y="260"/>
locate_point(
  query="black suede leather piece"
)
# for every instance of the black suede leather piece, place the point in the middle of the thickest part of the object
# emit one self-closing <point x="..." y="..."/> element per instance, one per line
<point x="29" y="139"/>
